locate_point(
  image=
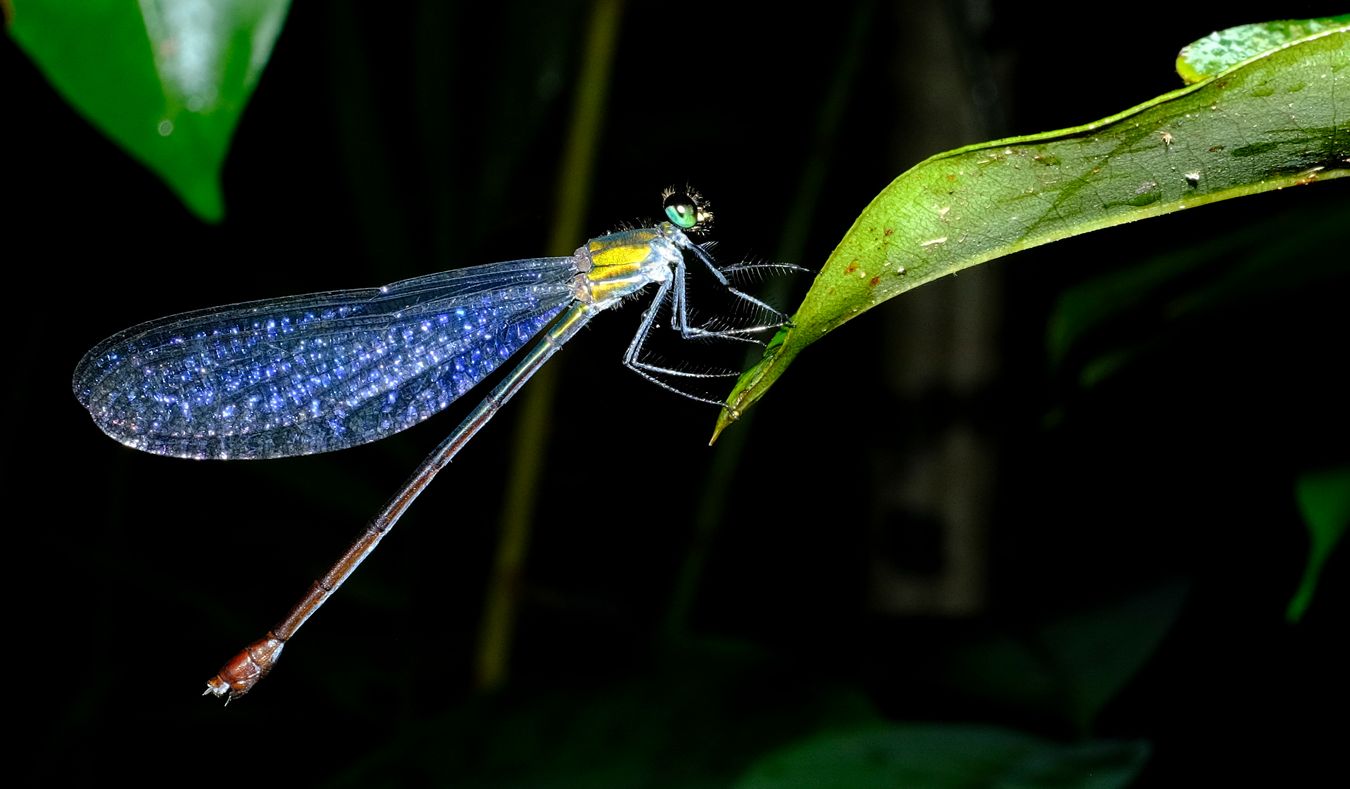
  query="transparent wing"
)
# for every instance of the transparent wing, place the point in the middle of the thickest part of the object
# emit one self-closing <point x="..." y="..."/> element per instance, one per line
<point x="319" y="372"/>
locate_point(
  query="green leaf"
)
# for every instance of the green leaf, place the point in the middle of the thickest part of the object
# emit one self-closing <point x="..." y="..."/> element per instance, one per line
<point x="1324" y="500"/>
<point x="946" y="757"/>
<point x="696" y="717"/>
<point x="1245" y="269"/>
<point x="1099" y="651"/>
<point x="1073" y="665"/>
<point x="1269" y="122"/>
<point x="165" y="79"/>
<point x="1226" y="48"/>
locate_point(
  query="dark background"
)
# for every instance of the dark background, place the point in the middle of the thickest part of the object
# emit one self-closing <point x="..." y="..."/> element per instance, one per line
<point x="382" y="145"/>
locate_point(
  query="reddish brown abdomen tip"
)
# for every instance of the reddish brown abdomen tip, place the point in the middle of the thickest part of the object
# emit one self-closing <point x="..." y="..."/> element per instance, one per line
<point x="238" y="676"/>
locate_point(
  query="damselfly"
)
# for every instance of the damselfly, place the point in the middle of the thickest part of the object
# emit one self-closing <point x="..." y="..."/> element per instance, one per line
<point x="326" y="371"/>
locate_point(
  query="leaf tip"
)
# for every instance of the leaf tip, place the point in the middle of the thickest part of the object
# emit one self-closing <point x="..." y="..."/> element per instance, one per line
<point x="724" y="421"/>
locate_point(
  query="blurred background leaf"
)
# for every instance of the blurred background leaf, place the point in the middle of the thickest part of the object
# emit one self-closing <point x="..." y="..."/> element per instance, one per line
<point x="695" y="717"/>
<point x="947" y="757"/>
<point x="1070" y="666"/>
<point x="1102" y="323"/>
<point x="1324" y="500"/>
<point x="168" y="80"/>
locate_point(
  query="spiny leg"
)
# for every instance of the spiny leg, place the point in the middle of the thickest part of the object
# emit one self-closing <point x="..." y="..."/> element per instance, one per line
<point x="680" y="308"/>
<point x="780" y="268"/>
<point x="675" y="289"/>
<point x="679" y="319"/>
<point x="632" y="357"/>
<point x="680" y="315"/>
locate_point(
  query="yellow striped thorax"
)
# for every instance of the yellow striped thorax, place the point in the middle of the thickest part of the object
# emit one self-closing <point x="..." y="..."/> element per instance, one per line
<point x="620" y="264"/>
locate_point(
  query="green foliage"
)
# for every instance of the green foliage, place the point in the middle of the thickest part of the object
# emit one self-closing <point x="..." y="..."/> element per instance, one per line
<point x="698" y="718"/>
<point x="1071" y="666"/>
<point x="1267" y="123"/>
<point x="1324" y="499"/>
<point x="947" y="757"/>
<point x="1242" y="270"/>
<point x="169" y="82"/>
<point x="1224" y="49"/>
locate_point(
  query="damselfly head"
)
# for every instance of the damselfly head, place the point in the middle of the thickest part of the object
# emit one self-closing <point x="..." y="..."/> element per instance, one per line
<point x="687" y="210"/>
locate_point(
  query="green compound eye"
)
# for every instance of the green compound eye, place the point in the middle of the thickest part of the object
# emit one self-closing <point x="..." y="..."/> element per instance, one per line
<point x="687" y="210"/>
<point x="681" y="211"/>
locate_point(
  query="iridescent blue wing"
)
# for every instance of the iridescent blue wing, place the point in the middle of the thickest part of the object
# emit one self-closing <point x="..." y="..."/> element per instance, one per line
<point x="315" y="373"/>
